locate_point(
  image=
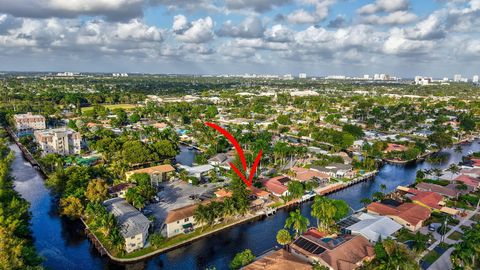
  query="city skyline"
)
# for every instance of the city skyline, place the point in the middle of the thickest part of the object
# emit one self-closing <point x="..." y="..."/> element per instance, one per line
<point x="317" y="37"/>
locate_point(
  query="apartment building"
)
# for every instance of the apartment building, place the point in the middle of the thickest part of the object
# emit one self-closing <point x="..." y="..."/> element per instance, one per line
<point x="28" y="122"/>
<point x="63" y="141"/>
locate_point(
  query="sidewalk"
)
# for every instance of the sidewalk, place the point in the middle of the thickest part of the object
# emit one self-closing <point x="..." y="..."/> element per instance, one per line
<point x="443" y="263"/>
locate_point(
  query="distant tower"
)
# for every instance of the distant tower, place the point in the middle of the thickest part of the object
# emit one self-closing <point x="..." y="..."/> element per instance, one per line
<point x="302" y="75"/>
<point x="475" y="79"/>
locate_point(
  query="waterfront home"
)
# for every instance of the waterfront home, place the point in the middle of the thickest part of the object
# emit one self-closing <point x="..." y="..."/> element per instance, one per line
<point x="304" y="174"/>
<point x="338" y="170"/>
<point x="373" y="227"/>
<point x="120" y="190"/>
<point x="197" y="171"/>
<point x="450" y="190"/>
<point x="468" y="180"/>
<point x="221" y="193"/>
<point x="393" y="147"/>
<point x="133" y="224"/>
<point x="157" y="174"/>
<point x="409" y="215"/>
<point x="342" y="252"/>
<point x="277" y="260"/>
<point x="62" y="141"/>
<point x="28" y="122"/>
<point x="180" y="220"/>
<point x="277" y="185"/>
<point x="428" y="199"/>
<point x="259" y="193"/>
<point x="220" y="160"/>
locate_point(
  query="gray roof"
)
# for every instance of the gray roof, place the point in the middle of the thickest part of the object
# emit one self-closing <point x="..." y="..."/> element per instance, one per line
<point x="374" y="227"/>
<point x="334" y="167"/>
<point x="131" y="221"/>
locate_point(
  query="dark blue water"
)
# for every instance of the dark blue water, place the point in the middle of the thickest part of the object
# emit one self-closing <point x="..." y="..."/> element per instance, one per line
<point x="64" y="246"/>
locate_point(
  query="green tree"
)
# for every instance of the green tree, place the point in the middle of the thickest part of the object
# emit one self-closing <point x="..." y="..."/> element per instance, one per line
<point x="324" y="211"/>
<point x="241" y="259"/>
<point x="71" y="207"/>
<point x="298" y="222"/>
<point x="284" y="237"/>
<point x="97" y="190"/>
<point x="295" y="189"/>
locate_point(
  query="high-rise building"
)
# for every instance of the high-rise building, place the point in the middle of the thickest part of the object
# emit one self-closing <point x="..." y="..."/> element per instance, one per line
<point x="302" y="75"/>
<point x="457" y="78"/>
<point x="475" y="79"/>
<point x="63" y="141"/>
<point x="366" y="77"/>
<point x="27" y="123"/>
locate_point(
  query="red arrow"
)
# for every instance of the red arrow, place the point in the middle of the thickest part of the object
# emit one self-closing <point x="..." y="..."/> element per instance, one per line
<point x="240" y="154"/>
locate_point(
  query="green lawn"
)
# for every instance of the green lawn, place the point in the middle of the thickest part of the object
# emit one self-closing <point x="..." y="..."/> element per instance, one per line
<point x="404" y="235"/>
<point x="431" y="257"/>
<point x="455" y="236"/>
<point x="112" y="106"/>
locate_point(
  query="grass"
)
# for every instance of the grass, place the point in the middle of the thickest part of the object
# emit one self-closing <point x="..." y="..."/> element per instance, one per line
<point x="404" y="235"/>
<point x="176" y="240"/>
<point x="455" y="236"/>
<point x="476" y="218"/>
<point x="112" y="107"/>
<point x="431" y="257"/>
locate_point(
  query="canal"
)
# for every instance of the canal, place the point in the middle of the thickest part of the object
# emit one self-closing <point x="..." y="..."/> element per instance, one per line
<point x="64" y="246"/>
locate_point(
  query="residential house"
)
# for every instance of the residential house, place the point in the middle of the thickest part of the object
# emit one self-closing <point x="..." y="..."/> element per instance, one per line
<point x="343" y="252"/>
<point x="374" y="227"/>
<point x="304" y="174"/>
<point x="337" y="170"/>
<point x="468" y="180"/>
<point x="133" y="224"/>
<point x="28" y="122"/>
<point x="62" y="141"/>
<point x="448" y="191"/>
<point x="180" y="220"/>
<point x="278" y="260"/>
<point x="393" y="147"/>
<point x="410" y="215"/>
<point x="428" y="199"/>
<point x="197" y="171"/>
<point x="157" y="174"/>
<point x="277" y="185"/>
<point x="120" y="190"/>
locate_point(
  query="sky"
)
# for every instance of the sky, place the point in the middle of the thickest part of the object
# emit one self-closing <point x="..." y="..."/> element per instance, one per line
<point x="402" y="38"/>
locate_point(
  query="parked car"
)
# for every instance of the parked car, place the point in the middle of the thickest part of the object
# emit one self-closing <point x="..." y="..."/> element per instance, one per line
<point x="431" y="227"/>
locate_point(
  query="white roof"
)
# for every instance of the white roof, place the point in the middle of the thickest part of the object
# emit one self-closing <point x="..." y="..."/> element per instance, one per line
<point x="374" y="227"/>
<point x="197" y="169"/>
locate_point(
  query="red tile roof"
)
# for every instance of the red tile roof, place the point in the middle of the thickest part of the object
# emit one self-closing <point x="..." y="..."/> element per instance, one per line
<point x="468" y="180"/>
<point x="303" y="174"/>
<point x="410" y="212"/>
<point x="275" y="186"/>
<point x="395" y="147"/>
<point x="429" y="198"/>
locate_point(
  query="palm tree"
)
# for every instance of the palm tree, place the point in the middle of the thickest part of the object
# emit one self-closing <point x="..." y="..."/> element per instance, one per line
<point x="398" y="256"/>
<point x="298" y="222"/>
<point x="454" y="169"/>
<point x="201" y="215"/>
<point x="437" y="172"/>
<point x="323" y="209"/>
<point x="378" y="196"/>
<point x="229" y="209"/>
<point x="383" y="187"/>
<point x="284" y="237"/>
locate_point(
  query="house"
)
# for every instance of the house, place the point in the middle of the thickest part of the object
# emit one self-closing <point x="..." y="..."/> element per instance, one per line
<point x="157" y="174"/>
<point x="259" y="193"/>
<point x="197" y="171"/>
<point x="223" y="193"/>
<point x="133" y="224"/>
<point x="304" y="175"/>
<point x="410" y="215"/>
<point x="62" y="141"/>
<point x="429" y="199"/>
<point x="28" y="122"/>
<point x="448" y="191"/>
<point x="337" y="170"/>
<point x="276" y="185"/>
<point x="393" y="147"/>
<point x="468" y="180"/>
<point x="373" y="227"/>
<point x="120" y="190"/>
<point x="277" y="260"/>
<point x="343" y="252"/>
<point x="181" y="220"/>
<point x="220" y="159"/>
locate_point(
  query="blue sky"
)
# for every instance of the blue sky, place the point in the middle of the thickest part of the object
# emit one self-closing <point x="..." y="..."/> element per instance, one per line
<point x="319" y="37"/>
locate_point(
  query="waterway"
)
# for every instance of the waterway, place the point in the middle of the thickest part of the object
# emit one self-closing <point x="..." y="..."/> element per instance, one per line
<point x="64" y="246"/>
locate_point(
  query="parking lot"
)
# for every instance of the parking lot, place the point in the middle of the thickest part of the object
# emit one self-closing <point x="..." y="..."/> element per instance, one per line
<point x="175" y="195"/>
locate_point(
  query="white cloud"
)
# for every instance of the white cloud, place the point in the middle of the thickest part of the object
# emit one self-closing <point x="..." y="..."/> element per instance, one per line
<point x="397" y="17"/>
<point x="384" y="6"/>
<point x="199" y="31"/>
<point x="251" y="27"/>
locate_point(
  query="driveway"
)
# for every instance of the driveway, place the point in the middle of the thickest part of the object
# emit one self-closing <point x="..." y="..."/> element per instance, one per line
<point x="175" y="194"/>
<point x="443" y="263"/>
